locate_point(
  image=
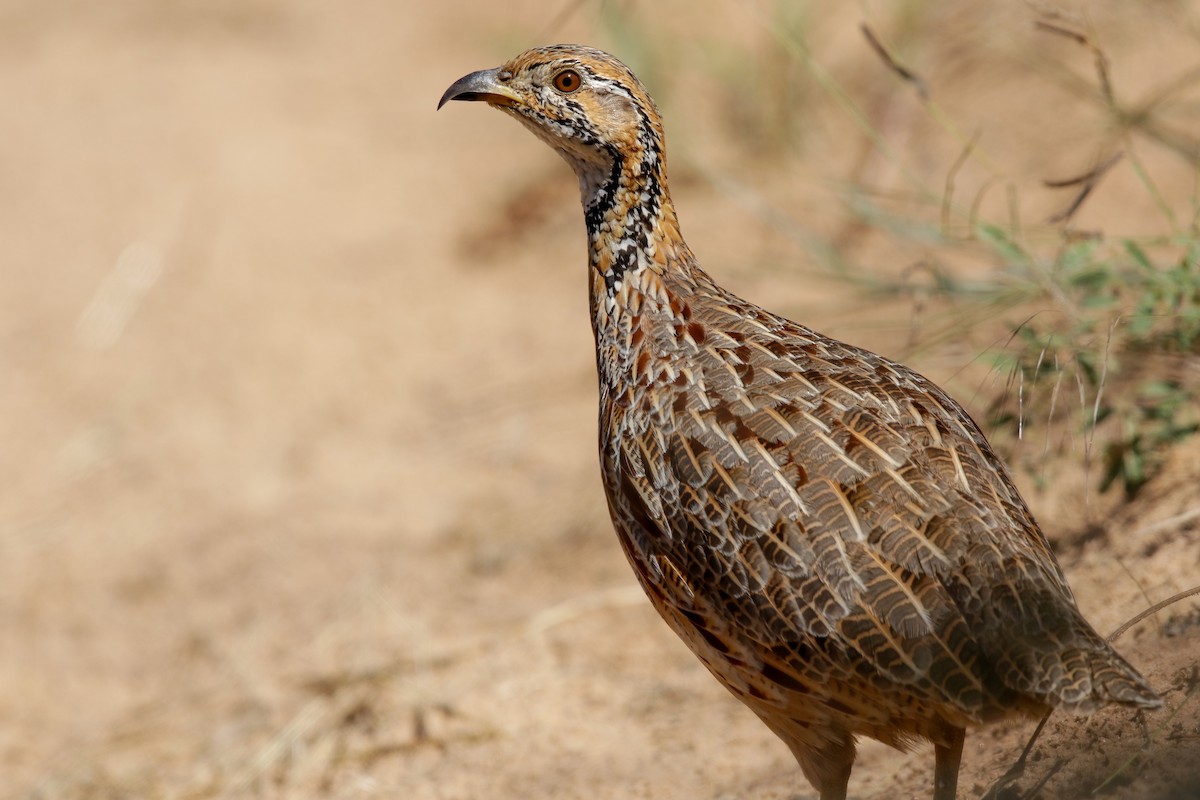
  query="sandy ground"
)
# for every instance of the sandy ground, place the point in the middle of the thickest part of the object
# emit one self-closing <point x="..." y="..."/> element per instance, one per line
<point x="297" y="408"/>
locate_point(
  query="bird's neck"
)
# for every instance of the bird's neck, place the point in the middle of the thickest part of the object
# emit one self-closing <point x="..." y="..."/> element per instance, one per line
<point x="633" y="233"/>
<point x="641" y="269"/>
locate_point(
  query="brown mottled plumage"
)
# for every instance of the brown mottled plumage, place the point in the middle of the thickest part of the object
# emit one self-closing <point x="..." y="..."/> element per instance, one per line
<point x="827" y="530"/>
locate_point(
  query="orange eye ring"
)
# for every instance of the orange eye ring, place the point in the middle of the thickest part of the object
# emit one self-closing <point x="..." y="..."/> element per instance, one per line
<point x="567" y="81"/>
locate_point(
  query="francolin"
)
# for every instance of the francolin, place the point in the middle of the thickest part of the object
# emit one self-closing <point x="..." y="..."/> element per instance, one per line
<point x="827" y="530"/>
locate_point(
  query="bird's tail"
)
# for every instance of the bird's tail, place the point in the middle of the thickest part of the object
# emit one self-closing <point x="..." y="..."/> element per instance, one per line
<point x="1051" y="655"/>
<point x="1090" y="674"/>
<point x="1108" y="678"/>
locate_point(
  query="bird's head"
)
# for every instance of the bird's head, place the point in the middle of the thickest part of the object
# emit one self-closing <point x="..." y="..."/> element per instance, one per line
<point x="583" y="102"/>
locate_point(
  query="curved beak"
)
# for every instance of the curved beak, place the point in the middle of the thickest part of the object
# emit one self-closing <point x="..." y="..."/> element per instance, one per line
<point x="483" y="85"/>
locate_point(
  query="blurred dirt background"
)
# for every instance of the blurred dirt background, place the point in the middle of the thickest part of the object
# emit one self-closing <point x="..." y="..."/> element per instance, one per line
<point x="297" y="414"/>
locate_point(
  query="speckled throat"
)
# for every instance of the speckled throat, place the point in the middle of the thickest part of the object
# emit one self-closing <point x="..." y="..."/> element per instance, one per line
<point x="627" y="210"/>
<point x="637" y="256"/>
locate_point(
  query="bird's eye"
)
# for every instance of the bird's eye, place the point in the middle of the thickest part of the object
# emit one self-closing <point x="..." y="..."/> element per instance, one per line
<point x="567" y="81"/>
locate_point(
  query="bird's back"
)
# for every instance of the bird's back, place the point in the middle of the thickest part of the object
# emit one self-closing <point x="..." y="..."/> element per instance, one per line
<point x="832" y="532"/>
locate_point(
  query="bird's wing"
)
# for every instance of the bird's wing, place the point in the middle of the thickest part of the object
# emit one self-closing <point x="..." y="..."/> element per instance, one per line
<point x="821" y="498"/>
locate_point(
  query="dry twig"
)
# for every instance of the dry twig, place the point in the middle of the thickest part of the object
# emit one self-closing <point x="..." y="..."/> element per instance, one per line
<point x="905" y="73"/>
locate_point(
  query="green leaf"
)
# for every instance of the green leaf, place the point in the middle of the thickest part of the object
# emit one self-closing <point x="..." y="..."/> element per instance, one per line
<point x="999" y="239"/>
<point x="1138" y="255"/>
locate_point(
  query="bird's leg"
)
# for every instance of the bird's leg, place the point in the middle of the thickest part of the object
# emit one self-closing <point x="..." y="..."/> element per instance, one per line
<point x="836" y="789"/>
<point x="829" y="770"/>
<point x="827" y="766"/>
<point x="946" y="762"/>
